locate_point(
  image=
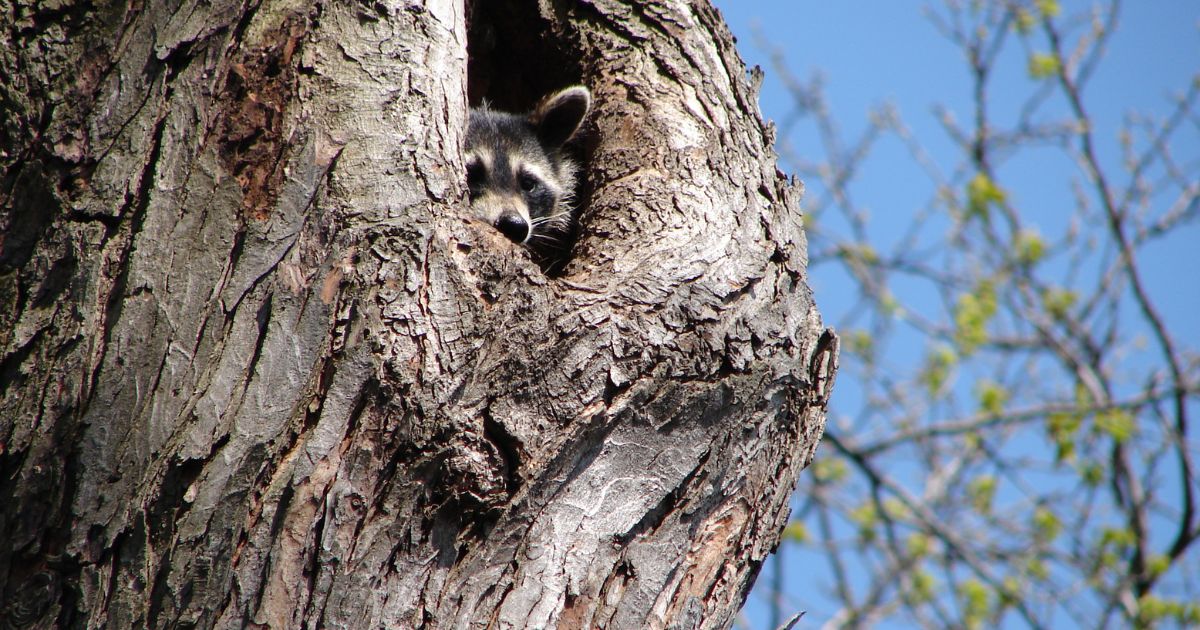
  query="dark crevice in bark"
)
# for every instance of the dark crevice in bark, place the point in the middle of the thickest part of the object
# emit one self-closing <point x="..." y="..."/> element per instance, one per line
<point x="27" y="606"/>
<point x="742" y="291"/>
<point x="30" y="216"/>
<point x="178" y="58"/>
<point x="37" y="558"/>
<point x="70" y="599"/>
<point x="377" y="12"/>
<point x="316" y="564"/>
<point x="462" y="481"/>
<point x="553" y="258"/>
<point x="168" y="506"/>
<point x="110" y="223"/>
<point x="236" y="249"/>
<point x="667" y="505"/>
<point x="282" y="506"/>
<point x="68" y="14"/>
<point x="613" y="389"/>
<point x="390" y="475"/>
<point x="160" y="591"/>
<point x="367" y="393"/>
<point x="508" y="446"/>
<point x="110" y="556"/>
<point x="56" y="532"/>
<point x="504" y="592"/>
<point x="314" y="406"/>
<point x="262" y="319"/>
<point x="679" y="406"/>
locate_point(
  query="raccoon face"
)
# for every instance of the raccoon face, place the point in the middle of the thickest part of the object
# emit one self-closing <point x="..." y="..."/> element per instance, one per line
<point x="518" y="178"/>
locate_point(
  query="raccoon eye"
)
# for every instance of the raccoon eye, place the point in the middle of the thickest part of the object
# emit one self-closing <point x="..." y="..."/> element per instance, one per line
<point x="475" y="174"/>
<point x="528" y="182"/>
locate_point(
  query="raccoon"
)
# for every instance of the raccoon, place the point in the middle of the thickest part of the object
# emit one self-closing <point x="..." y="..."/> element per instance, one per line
<point x="519" y="178"/>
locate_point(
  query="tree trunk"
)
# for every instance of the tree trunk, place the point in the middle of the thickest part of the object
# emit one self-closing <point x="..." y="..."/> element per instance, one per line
<point x="260" y="369"/>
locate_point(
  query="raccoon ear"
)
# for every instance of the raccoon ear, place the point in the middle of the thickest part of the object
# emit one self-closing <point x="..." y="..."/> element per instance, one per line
<point x="559" y="115"/>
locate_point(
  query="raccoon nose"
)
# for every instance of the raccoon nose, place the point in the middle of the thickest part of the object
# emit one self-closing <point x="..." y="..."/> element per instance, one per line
<point x="513" y="226"/>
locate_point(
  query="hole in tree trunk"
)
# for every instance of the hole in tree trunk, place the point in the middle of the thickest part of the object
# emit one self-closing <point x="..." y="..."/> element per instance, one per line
<point x="515" y="58"/>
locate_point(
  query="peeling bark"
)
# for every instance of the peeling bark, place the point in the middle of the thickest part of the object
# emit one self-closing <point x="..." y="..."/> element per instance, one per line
<point x="259" y="369"/>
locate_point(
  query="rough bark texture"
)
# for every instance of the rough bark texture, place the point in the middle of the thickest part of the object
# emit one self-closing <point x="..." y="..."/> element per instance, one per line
<point x="259" y="369"/>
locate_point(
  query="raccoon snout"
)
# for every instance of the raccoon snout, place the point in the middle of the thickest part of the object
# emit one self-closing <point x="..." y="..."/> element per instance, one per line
<point x="513" y="226"/>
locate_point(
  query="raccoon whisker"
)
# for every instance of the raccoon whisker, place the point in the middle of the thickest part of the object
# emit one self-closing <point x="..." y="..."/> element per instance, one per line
<point x="553" y="235"/>
<point x="563" y="220"/>
<point x="562" y="215"/>
<point x="546" y="238"/>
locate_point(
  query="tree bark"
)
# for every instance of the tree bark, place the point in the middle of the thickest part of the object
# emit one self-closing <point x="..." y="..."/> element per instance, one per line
<point x="260" y="369"/>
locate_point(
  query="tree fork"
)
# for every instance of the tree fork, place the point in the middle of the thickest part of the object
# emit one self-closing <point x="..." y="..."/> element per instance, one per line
<point x="259" y="369"/>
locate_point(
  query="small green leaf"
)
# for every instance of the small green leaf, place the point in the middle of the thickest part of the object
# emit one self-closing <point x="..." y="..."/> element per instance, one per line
<point x="889" y="305"/>
<point x="1010" y="591"/>
<point x="829" y="470"/>
<point x="796" y="532"/>
<point x="1048" y="8"/>
<point x="1092" y="473"/>
<point x="975" y="602"/>
<point x="1030" y="248"/>
<point x="1158" y="564"/>
<point x="981" y="491"/>
<point x="936" y="371"/>
<point x="992" y="397"/>
<point x="1062" y="424"/>
<point x="1024" y="22"/>
<point x="1064" y="451"/>
<point x="866" y="518"/>
<point x="1062" y="428"/>
<point x="859" y="342"/>
<point x="1117" y="424"/>
<point x="1083" y="397"/>
<point x="918" y="545"/>
<point x="971" y="316"/>
<point x="1117" y="537"/>
<point x="1058" y="302"/>
<point x="1151" y="609"/>
<point x="982" y="193"/>
<point x="1037" y="569"/>
<point x="1043" y="65"/>
<point x="1046" y="526"/>
<point x="859" y="253"/>
<point x="922" y="586"/>
<point x="896" y="510"/>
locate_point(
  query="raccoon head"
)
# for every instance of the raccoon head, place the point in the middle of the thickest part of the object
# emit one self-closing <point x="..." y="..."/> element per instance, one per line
<point x="519" y="180"/>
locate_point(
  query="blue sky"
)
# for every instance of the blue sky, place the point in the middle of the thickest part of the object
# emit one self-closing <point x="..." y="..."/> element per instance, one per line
<point x="872" y="52"/>
<point x="897" y="56"/>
